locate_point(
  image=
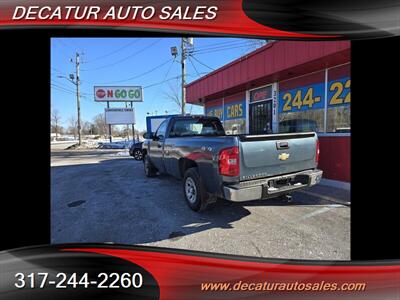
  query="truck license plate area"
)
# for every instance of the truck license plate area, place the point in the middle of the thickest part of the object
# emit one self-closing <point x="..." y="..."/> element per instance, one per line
<point x="283" y="184"/>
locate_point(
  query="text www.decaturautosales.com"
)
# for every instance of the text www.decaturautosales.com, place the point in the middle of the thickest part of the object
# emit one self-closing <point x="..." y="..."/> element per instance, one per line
<point x="321" y="286"/>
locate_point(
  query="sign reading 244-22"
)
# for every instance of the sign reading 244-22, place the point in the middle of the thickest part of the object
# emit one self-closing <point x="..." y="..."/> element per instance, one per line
<point x="339" y="92"/>
<point x="118" y="93"/>
<point x="313" y="96"/>
<point x="302" y="98"/>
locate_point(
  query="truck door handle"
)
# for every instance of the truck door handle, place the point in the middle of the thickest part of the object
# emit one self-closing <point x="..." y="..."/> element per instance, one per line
<point x="282" y="145"/>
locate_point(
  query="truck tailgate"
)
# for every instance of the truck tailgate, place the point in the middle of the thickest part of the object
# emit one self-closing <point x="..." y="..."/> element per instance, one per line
<point x="276" y="154"/>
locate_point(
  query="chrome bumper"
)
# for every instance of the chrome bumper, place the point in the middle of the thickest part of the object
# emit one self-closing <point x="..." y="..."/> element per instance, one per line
<point x="264" y="188"/>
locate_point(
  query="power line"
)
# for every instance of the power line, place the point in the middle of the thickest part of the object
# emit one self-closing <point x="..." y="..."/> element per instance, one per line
<point x="113" y="52"/>
<point x="221" y="49"/>
<point x="202" y="63"/>
<point x="165" y="78"/>
<point x="57" y="71"/>
<point x="123" y="59"/>
<point x="169" y="69"/>
<point x="59" y="85"/>
<point x="219" y="45"/>
<point x="63" y="90"/>
<point x="161" y="82"/>
<point x="194" y="67"/>
<point x="62" y="87"/>
<point x="139" y="75"/>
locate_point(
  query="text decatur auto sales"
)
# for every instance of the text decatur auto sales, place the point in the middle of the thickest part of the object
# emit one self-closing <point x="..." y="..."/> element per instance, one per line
<point x="71" y="12"/>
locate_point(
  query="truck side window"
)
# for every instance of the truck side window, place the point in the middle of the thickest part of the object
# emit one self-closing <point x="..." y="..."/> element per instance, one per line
<point x="196" y="127"/>
<point x="160" y="134"/>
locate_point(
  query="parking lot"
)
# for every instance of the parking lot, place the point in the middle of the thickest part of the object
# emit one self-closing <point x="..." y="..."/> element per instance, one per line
<point x="103" y="196"/>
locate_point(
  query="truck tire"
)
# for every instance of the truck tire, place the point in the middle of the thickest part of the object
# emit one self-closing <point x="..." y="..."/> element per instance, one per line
<point x="138" y="154"/>
<point x="149" y="169"/>
<point x="194" y="191"/>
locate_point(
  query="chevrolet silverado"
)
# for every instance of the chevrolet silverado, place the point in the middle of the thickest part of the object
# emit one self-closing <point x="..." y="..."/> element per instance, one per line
<point x="235" y="167"/>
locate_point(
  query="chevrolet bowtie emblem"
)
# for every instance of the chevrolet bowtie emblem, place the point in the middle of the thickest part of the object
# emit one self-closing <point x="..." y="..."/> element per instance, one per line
<point x="283" y="156"/>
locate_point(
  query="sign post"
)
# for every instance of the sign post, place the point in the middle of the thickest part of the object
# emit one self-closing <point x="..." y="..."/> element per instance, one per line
<point x="109" y="125"/>
<point x="133" y="127"/>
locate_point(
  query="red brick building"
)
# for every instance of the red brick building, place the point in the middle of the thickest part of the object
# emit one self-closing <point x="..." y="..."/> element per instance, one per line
<point x="286" y="86"/>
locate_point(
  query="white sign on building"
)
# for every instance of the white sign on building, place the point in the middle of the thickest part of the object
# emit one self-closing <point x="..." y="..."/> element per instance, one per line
<point x="120" y="116"/>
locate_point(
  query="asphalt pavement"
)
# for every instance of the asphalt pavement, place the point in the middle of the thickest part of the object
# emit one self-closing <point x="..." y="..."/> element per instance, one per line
<point x="104" y="196"/>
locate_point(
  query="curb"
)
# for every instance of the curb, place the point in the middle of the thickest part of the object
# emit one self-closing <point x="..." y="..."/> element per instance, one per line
<point x="336" y="184"/>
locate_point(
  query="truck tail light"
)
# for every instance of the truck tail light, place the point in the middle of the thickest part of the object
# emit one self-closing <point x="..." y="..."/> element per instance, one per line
<point x="228" y="161"/>
<point x="317" y="151"/>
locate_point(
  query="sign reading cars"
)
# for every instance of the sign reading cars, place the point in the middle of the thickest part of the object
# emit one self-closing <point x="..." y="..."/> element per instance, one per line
<point x="118" y="93"/>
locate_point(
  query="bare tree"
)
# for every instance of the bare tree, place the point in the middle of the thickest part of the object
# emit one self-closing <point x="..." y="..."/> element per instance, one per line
<point x="87" y="128"/>
<point x="55" y="122"/>
<point x="173" y="95"/>
<point x="73" y="126"/>
<point x="99" y="123"/>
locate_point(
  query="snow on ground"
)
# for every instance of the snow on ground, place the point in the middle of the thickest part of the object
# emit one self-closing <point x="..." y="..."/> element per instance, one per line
<point x="121" y="153"/>
<point x="115" y="145"/>
<point x="98" y="144"/>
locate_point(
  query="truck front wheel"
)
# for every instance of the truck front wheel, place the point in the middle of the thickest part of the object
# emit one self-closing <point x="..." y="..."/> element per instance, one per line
<point x="194" y="191"/>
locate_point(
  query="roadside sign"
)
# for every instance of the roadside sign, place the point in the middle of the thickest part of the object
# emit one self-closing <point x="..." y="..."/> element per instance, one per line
<point x="120" y="116"/>
<point x="118" y="93"/>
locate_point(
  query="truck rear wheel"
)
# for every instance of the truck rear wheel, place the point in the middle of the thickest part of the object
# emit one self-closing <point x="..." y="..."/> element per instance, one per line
<point x="149" y="169"/>
<point x="194" y="191"/>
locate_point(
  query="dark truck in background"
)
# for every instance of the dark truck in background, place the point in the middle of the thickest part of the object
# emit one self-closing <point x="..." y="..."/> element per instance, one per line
<point x="235" y="167"/>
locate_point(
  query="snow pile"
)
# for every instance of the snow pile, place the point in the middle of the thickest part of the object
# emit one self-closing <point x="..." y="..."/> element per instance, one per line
<point x="121" y="153"/>
<point x="115" y="145"/>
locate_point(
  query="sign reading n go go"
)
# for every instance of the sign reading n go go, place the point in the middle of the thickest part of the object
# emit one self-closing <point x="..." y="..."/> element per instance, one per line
<point x="118" y="93"/>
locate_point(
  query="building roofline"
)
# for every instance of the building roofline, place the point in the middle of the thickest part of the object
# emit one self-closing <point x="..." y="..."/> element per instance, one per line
<point x="235" y="61"/>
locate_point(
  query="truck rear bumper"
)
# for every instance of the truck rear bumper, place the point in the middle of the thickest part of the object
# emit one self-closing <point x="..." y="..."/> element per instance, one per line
<point x="271" y="187"/>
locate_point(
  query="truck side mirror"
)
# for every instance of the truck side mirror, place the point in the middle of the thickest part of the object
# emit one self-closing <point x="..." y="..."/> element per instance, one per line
<point x="148" y="135"/>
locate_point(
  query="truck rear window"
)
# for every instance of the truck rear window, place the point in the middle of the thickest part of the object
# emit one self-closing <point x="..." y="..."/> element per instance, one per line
<point x="196" y="127"/>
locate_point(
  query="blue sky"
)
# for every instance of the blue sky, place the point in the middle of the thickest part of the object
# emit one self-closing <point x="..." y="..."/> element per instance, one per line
<point x="133" y="61"/>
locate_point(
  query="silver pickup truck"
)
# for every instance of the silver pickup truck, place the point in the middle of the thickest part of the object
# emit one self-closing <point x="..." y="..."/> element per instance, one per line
<point x="235" y="167"/>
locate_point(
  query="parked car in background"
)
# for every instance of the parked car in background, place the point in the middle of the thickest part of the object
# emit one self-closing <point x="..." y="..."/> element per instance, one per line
<point x="136" y="150"/>
<point x="238" y="168"/>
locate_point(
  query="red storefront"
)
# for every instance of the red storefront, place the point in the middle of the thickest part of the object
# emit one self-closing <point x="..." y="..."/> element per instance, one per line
<point x="286" y="86"/>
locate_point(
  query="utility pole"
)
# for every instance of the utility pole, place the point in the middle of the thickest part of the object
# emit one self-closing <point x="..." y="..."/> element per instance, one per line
<point x="78" y="100"/>
<point x="183" y="64"/>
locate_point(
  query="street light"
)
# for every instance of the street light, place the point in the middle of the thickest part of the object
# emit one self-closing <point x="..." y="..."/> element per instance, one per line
<point x="70" y="78"/>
